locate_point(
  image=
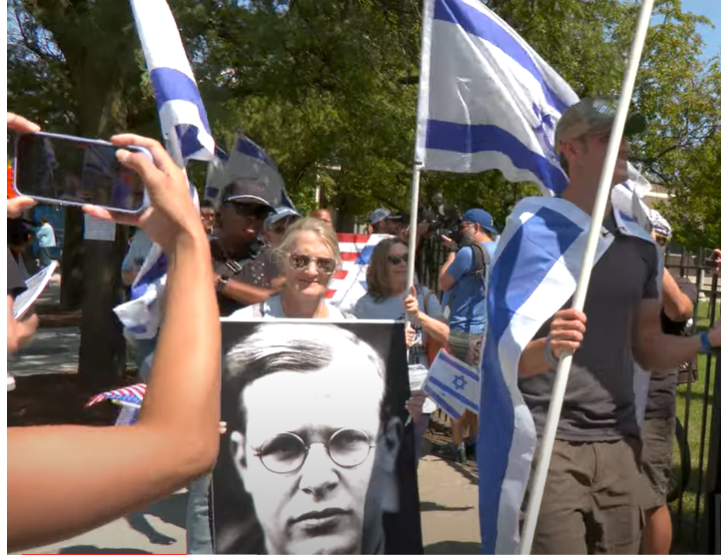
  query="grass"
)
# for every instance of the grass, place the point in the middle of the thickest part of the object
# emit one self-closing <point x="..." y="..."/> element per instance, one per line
<point x="689" y="510"/>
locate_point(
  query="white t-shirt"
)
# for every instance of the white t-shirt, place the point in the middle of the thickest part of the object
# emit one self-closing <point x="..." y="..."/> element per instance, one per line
<point x="391" y="308"/>
<point x="272" y="308"/>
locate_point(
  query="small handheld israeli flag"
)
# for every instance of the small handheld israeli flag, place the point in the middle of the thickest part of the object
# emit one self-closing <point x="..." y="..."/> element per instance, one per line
<point x="453" y="385"/>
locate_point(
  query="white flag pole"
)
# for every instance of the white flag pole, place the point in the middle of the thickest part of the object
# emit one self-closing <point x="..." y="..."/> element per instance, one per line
<point x="421" y="119"/>
<point x="579" y="300"/>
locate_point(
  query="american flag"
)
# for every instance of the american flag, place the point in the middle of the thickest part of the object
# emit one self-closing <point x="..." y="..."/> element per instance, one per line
<point x="349" y="282"/>
<point x="131" y="396"/>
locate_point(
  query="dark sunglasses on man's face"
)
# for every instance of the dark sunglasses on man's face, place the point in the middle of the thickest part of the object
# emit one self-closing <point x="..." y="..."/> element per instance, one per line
<point x="396" y="260"/>
<point x="302" y="261"/>
<point x="661" y="241"/>
<point x="249" y="210"/>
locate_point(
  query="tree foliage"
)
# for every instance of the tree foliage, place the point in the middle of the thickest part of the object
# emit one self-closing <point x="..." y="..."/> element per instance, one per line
<point x="329" y="88"/>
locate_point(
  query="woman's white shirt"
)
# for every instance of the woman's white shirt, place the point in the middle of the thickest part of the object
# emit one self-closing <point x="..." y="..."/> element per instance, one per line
<point x="273" y="308"/>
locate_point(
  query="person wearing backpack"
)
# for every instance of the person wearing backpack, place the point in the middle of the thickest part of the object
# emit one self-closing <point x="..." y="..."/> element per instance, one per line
<point x="463" y="279"/>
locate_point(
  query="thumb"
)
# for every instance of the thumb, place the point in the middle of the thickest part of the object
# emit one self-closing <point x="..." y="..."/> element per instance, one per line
<point x="413" y="291"/>
<point x="16" y="206"/>
<point x="141" y="164"/>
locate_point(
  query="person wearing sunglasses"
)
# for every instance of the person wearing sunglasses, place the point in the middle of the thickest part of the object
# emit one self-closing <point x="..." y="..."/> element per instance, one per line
<point x="388" y="298"/>
<point x="308" y="255"/>
<point x="319" y="461"/>
<point x="244" y="206"/>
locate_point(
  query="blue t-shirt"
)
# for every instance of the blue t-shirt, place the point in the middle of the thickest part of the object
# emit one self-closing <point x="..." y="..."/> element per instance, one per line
<point x="467" y="307"/>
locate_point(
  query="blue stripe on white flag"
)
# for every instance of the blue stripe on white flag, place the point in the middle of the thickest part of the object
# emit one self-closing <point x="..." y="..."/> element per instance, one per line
<point x="465" y="401"/>
<point x="540" y="243"/>
<point x="453" y="364"/>
<point x="171" y="84"/>
<point x="471" y="139"/>
<point x="482" y="25"/>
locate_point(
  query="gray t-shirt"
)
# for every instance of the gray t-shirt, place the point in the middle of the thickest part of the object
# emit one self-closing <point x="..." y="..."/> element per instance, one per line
<point x="600" y="403"/>
<point x="391" y="308"/>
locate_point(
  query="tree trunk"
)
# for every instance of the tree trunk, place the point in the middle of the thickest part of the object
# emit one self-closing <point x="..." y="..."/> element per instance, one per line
<point x="71" y="262"/>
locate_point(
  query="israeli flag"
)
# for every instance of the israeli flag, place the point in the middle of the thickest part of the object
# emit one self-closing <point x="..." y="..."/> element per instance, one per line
<point x="453" y="385"/>
<point x="489" y="101"/>
<point x="180" y="108"/>
<point x="534" y="273"/>
<point x="247" y="160"/>
<point x="185" y="127"/>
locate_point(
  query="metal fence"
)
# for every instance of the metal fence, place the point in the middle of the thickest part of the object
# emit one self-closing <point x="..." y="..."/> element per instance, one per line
<point x="696" y="473"/>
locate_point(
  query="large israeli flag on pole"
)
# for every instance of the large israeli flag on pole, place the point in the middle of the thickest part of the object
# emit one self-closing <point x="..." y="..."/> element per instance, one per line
<point x="186" y="131"/>
<point x="182" y="114"/>
<point x="489" y="101"/>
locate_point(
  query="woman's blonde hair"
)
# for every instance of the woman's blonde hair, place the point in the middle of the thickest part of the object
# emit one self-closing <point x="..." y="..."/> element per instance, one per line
<point x="309" y="225"/>
<point x="377" y="274"/>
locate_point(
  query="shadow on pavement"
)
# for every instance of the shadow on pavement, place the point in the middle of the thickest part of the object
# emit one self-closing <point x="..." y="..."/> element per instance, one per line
<point x="453" y="547"/>
<point x="431" y="506"/>
<point x="94" y="549"/>
<point x="464" y="471"/>
<point x="170" y="510"/>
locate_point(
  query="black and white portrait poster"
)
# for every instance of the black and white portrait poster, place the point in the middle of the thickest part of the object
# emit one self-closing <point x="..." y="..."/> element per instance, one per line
<point x="318" y="454"/>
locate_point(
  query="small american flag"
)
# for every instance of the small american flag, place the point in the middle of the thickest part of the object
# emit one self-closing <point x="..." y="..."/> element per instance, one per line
<point x="349" y="282"/>
<point x="131" y="396"/>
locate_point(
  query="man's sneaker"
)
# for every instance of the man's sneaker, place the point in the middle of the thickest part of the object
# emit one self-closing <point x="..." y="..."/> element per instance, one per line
<point x="11" y="382"/>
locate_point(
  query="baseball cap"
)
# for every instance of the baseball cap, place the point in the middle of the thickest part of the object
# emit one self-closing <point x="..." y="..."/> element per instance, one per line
<point x="380" y="214"/>
<point x="280" y="214"/>
<point x="594" y="115"/>
<point x="480" y="217"/>
<point x="247" y="192"/>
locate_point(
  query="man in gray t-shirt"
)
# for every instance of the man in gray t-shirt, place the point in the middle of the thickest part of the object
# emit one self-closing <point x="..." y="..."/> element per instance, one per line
<point x="591" y="501"/>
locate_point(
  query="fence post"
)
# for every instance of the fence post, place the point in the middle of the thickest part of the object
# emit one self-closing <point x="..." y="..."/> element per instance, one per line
<point x="713" y="478"/>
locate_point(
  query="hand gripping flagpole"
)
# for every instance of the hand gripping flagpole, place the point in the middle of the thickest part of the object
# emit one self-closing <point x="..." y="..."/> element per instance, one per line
<point x="579" y="300"/>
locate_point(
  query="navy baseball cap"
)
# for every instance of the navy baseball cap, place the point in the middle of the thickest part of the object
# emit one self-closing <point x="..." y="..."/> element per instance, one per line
<point x="280" y="214"/>
<point x="380" y="214"/>
<point x="247" y="192"/>
<point x="480" y="217"/>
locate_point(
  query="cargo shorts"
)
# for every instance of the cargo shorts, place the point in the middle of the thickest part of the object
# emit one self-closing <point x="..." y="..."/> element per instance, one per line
<point x="656" y="460"/>
<point x="591" y="499"/>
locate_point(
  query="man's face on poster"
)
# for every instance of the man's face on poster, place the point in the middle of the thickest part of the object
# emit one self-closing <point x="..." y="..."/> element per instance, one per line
<point x="307" y="455"/>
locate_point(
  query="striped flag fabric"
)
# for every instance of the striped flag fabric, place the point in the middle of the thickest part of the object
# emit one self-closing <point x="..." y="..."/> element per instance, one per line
<point x="349" y="281"/>
<point x="184" y="123"/>
<point x="453" y="385"/>
<point x="489" y="101"/>
<point x="130" y="396"/>
<point x="183" y="119"/>
<point x="247" y="160"/>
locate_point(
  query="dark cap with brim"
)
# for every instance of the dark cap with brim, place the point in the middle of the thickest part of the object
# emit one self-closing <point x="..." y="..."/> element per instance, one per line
<point x="247" y="192"/>
<point x="593" y="116"/>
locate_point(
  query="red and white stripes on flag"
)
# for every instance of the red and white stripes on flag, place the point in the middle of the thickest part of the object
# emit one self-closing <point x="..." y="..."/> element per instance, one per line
<point x="349" y="282"/>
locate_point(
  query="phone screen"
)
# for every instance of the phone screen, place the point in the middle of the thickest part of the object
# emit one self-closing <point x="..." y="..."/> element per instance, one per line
<point x="75" y="171"/>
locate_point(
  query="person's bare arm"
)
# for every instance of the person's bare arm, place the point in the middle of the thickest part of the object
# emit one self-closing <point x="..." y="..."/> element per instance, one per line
<point x="128" y="276"/>
<point x="245" y="293"/>
<point x="677" y="306"/>
<point x="436" y="328"/>
<point x="657" y="351"/>
<point x="64" y="480"/>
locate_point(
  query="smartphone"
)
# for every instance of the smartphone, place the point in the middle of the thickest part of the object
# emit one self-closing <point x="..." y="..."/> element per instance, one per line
<point x="67" y="170"/>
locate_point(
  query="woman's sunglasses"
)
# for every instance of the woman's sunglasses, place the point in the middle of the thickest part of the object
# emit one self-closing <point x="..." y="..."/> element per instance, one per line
<point x="396" y="260"/>
<point x="302" y="261"/>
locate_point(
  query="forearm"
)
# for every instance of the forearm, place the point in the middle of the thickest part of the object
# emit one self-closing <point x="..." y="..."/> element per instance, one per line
<point x="128" y="276"/>
<point x="533" y="359"/>
<point x="246" y="294"/>
<point x="663" y="353"/>
<point x="184" y="388"/>
<point x="677" y="306"/>
<point x="437" y="329"/>
<point x="442" y="279"/>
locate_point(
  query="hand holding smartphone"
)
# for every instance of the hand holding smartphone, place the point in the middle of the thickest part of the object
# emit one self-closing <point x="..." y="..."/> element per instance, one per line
<point x="67" y="170"/>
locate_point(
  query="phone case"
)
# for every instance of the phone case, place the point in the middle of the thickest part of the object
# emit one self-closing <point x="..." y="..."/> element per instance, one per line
<point x="61" y="202"/>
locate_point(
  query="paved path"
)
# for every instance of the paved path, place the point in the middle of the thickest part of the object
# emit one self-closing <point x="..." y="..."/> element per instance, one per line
<point x="449" y="502"/>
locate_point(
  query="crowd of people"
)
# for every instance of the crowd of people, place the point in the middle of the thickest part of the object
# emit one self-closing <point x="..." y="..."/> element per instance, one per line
<point x="245" y="258"/>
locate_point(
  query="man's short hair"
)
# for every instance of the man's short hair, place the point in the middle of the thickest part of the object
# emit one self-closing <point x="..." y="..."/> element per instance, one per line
<point x="278" y="347"/>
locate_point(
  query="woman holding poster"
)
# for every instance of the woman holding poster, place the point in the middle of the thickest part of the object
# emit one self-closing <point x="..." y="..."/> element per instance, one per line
<point x="386" y="299"/>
